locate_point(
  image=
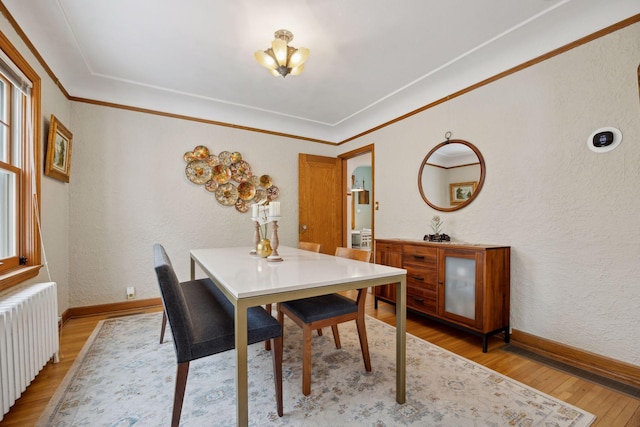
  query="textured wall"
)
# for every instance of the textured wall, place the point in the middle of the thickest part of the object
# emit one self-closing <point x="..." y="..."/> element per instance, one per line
<point x="133" y="193"/>
<point x="570" y="215"/>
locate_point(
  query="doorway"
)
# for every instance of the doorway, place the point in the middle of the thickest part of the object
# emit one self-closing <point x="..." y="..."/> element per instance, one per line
<point x="358" y="197"/>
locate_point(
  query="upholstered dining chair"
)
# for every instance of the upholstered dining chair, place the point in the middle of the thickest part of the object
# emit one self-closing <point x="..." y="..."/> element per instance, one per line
<point x="328" y="310"/>
<point x="312" y="247"/>
<point x="307" y="246"/>
<point x="202" y="324"/>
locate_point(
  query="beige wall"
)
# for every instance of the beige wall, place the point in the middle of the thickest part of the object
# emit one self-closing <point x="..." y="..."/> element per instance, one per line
<point x="132" y="192"/>
<point x="570" y="215"/>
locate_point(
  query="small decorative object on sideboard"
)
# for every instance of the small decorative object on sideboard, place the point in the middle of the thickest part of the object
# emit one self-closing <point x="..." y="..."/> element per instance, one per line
<point x="437" y="225"/>
<point x="437" y="237"/>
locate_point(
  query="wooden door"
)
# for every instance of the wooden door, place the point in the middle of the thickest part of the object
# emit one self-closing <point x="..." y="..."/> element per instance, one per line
<point x="320" y="201"/>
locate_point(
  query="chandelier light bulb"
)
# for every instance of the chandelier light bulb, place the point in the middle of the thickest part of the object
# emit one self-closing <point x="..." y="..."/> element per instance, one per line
<point x="281" y="59"/>
<point x="279" y="47"/>
<point x="297" y="70"/>
<point x="298" y="57"/>
<point x="265" y="59"/>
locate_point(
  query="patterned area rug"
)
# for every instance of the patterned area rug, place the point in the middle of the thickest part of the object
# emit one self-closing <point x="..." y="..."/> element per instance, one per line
<point x="123" y="377"/>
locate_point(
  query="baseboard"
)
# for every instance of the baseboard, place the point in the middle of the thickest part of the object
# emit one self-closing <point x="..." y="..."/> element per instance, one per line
<point x="604" y="366"/>
<point x="109" y="308"/>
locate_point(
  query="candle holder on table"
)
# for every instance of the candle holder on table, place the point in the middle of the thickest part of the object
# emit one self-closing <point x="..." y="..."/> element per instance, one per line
<point x="256" y="237"/>
<point x="275" y="242"/>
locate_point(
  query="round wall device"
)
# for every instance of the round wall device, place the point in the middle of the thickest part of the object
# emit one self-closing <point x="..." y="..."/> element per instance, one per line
<point x="604" y="139"/>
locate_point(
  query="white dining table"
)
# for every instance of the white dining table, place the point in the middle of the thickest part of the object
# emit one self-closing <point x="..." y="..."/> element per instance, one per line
<point x="249" y="281"/>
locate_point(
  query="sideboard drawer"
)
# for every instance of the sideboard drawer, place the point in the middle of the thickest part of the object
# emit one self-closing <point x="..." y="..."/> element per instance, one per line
<point x="426" y="278"/>
<point x="389" y="247"/>
<point x="421" y="299"/>
<point x="420" y="255"/>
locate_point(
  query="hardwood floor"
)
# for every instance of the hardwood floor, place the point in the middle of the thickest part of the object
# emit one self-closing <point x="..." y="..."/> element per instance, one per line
<point x="611" y="408"/>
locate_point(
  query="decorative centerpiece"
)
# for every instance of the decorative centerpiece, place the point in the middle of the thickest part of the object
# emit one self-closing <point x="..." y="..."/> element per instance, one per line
<point x="437" y="225"/>
<point x="262" y="215"/>
<point x="263" y="248"/>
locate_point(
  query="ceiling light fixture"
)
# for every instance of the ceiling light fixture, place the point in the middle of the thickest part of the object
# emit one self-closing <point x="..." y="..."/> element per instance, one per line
<point x="282" y="59"/>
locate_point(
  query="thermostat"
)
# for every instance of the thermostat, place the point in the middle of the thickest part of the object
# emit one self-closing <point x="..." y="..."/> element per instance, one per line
<point x="604" y="139"/>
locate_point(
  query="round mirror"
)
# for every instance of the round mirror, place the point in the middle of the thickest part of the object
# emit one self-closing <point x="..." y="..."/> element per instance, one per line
<point x="451" y="175"/>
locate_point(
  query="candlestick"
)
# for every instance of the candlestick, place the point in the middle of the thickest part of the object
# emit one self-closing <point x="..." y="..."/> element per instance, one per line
<point x="275" y="256"/>
<point x="256" y="239"/>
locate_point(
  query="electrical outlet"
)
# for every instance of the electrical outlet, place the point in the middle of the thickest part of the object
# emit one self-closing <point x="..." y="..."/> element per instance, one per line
<point x="131" y="292"/>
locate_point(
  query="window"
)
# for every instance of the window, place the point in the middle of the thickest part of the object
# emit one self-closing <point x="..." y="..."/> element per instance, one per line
<point x="19" y="167"/>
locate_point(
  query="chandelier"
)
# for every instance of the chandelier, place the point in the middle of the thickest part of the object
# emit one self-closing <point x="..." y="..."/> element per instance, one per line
<point x="282" y="59"/>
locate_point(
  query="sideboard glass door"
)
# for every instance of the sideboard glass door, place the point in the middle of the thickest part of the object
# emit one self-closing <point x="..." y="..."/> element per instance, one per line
<point x="460" y="287"/>
<point x="460" y="284"/>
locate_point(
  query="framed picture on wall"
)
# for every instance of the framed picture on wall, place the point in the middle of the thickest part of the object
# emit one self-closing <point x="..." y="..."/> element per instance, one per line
<point x="460" y="192"/>
<point x="58" y="161"/>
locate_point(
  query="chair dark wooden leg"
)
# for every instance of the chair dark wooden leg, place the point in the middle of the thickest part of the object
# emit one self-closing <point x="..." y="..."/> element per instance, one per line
<point x="276" y="356"/>
<point x="306" y="360"/>
<point x="364" y="344"/>
<point x="319" y="330"/>
<point x="164" y="326"/>
<point x="181" y="385"/>
<point x="336" y="336"/>
<point x="267" y="343"/>
<point x="281" y="320"/>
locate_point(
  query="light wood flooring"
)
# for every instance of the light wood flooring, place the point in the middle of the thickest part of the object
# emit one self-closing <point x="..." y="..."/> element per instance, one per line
<point x="613" y="409"/>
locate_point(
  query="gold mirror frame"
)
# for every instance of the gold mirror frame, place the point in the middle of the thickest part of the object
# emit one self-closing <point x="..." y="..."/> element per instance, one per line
<point x="478" y="187"/>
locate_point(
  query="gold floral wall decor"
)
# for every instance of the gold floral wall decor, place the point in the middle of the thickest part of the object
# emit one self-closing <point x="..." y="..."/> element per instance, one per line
<point x="229" y="178"/>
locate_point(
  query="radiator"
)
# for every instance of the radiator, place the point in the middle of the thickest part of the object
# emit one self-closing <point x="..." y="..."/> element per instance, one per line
<point x="28" y="338"/>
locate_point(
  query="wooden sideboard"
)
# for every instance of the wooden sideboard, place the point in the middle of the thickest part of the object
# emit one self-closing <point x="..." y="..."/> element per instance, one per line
<point x="461" y="284"/>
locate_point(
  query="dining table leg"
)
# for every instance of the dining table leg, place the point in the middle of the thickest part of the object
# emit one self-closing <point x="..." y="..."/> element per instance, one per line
<point x="242" y="381"/>
<point x="401" y="340"/>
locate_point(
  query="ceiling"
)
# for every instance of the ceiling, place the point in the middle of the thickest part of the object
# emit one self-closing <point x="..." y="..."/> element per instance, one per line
<point x="371" y="61"/>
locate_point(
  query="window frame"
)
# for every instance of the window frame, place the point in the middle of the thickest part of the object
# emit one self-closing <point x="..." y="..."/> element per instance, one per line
<point x="28" y="209"/>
